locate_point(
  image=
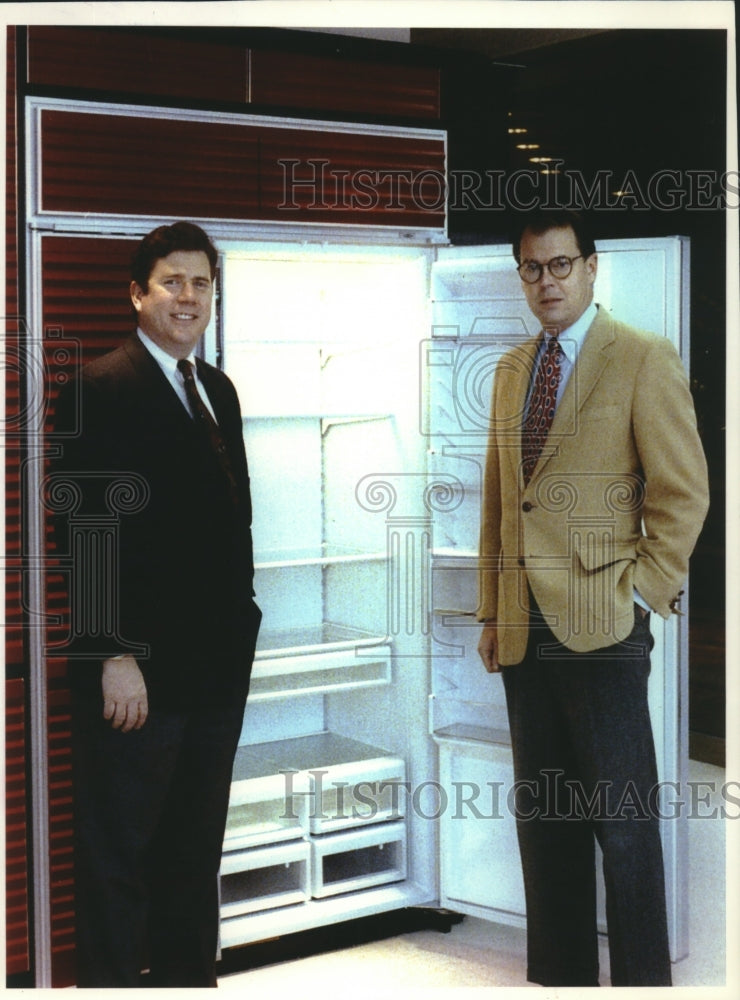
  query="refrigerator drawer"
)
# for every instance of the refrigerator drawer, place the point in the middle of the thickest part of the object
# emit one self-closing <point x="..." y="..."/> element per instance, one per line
<point x="354" y="794"/>
<point x="359" y="859"/>
<point x="350" y="783"/>
<point x="264" y="878"/>
<point x="265" y="807"/>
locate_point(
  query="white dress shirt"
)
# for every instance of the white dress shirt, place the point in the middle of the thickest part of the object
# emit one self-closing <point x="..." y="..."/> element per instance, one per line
<point x="168" y="364"/>
<point x="571" y="342"/>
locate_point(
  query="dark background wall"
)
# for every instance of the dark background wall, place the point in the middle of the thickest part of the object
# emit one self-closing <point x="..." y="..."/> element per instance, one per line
<point x="643" y="111"/>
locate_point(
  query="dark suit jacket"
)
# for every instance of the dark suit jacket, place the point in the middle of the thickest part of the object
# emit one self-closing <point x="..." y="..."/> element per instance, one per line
<point x="183" y="582"/>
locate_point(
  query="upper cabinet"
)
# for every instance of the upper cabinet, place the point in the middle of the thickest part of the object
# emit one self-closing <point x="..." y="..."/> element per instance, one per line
<point x="233" y="67"/>
<point x="319" y="81"/>
<point x="299" y="80"/>
<point x="126" y="160"/>
<point x="135" y="61"/>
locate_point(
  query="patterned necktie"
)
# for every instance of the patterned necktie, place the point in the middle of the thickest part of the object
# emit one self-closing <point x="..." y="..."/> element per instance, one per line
<point x="208" y="425"/>
<point x="541" y="407"/>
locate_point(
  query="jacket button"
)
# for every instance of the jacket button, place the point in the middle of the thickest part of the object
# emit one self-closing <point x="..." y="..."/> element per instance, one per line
<point x="521" y="562"/>
<point x="527" y="506"/>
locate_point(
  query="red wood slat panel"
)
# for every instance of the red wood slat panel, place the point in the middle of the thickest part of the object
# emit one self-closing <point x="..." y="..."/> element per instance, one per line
<point x="17" y="833"/>
<point x="13" y="368"/>
<point x="148" y="166"/>
<point x="61" y="840"/>
<point x="17" y="930"/>
<point x="323" y="83"/>
<point x="381" y="180"/>
<point x="86" y="312"/>
<point x="127" y="61"/>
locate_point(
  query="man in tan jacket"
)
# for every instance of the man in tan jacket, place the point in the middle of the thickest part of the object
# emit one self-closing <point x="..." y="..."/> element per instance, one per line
<point x="595" y="491"/>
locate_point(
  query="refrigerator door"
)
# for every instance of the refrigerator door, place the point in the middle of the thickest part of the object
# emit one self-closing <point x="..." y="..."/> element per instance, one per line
<point x="479" y="312"/>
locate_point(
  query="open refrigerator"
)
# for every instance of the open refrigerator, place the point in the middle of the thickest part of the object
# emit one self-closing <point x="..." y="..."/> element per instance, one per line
<point x="374" y="761"/>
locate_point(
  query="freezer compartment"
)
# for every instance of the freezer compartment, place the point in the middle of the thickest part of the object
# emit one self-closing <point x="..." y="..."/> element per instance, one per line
<point x="264" y="878"/>
<point x="350" y="783"/>
<point x="264" y="807"/>
<point x="358" y="859"/>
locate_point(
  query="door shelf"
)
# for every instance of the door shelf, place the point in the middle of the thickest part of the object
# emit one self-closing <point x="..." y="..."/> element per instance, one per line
<point x="456" y="719"/>
<point x="264" y="878"/>
<point x="358" y="859"/>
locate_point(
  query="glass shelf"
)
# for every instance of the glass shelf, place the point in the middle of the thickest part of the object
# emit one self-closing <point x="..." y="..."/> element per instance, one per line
<point x="467" y="555"/>
<point x="323" y="637"/>
<point x="470" y="733"/>
<point x="322" y="555"/>
<point x="325" y="415"/>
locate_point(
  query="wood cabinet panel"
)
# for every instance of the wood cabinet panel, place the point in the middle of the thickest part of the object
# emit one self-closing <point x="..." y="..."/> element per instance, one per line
<point x="135" y="165"/>
<point x="301" y="80"/>
<point x="140" y="165"/>
<point x="154" y="63"/>
<point x="85" y="300"/>
<point x="17" y="832"/>
<point x="132" y="61"/>
<point x="313" y="176"/>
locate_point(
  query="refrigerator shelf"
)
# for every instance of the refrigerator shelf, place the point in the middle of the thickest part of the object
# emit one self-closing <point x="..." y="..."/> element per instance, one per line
<point x="322" y="637"/>
<point x="319" y="672"/>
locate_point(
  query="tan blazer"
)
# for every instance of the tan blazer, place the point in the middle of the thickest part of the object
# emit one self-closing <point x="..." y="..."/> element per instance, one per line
<point x="615" y="502"/>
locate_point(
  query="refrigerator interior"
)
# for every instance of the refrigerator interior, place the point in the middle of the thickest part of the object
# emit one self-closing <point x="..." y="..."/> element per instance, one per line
<point x="364" y="374"/>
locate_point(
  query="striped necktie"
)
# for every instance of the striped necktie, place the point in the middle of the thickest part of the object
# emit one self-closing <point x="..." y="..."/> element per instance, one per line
<point x="208" y="426"/>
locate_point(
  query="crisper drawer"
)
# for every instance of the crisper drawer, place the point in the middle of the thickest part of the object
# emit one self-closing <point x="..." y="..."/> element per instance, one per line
<point x="318" y="672"/>
<point x="357" y="793"/>
<point x="358" y="859"/>
<point x="264" y="878"/>
<point x="350" y="783"/>
<point x="264" y="807"/>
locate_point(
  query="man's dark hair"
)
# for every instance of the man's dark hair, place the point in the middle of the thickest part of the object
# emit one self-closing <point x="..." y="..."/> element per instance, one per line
<point x="163" y="241"/>
<point x="540" y="220"/>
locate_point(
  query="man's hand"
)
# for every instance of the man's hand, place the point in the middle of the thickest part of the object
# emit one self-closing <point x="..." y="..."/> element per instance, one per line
<point x="488" y="647"/>
<point x="125" y="701"/>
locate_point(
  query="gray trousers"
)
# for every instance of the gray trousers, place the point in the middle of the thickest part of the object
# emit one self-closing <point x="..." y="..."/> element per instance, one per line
<point x="584" y="764"/>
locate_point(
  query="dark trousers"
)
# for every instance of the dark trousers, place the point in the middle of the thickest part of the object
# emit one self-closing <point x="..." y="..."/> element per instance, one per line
<point x="150" y="812"/>
<point x="584" y="765"/>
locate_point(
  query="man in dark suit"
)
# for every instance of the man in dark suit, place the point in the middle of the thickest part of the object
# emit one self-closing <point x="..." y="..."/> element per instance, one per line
<point x="158" y="698"/>
<point x="594" y="495"/>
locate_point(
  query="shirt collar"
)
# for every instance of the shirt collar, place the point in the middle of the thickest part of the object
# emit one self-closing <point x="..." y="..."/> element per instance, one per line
<point x="165" y="360"/>
<point x="571" y="339"/>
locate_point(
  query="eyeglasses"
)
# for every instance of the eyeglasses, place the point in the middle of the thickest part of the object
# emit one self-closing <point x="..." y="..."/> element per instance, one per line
<point x="559" y="267"/>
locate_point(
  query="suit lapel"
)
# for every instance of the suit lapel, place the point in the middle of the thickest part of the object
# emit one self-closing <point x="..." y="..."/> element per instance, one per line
<point x="593" y="359"/>
<point x="156" y="392"/>
<point x="518" y="373"/>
